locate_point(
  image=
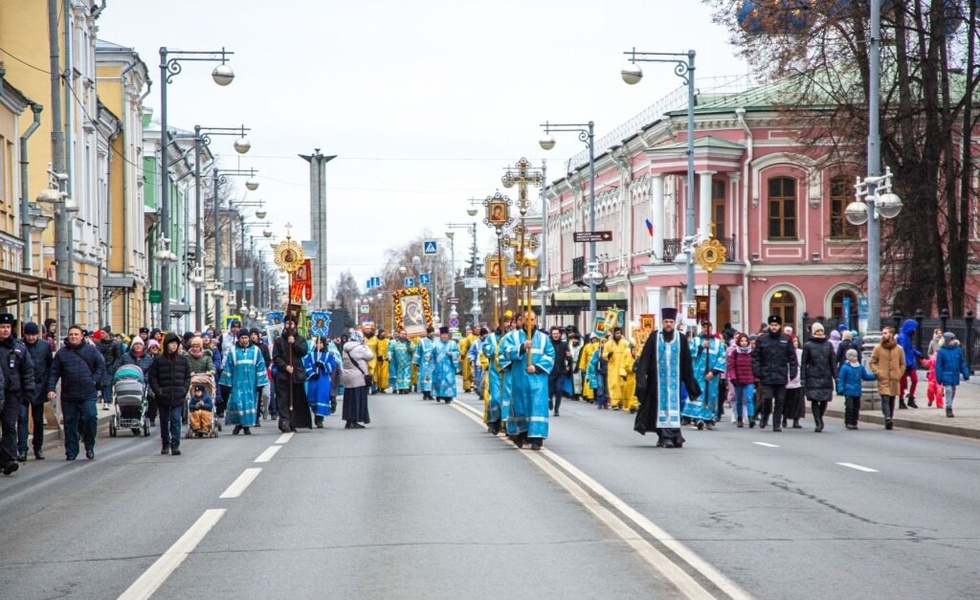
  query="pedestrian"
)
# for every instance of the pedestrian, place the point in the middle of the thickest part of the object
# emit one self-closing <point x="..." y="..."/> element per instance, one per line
<point x="469" y="375"/>
<point x="616" y="354"/>
<point x="112" y="354"/>
<point x="849" y="378"/>
<point x="400" y="361"/>
<point x="950" y="365"/>
<point x="709" y="362"/>
<point x="242" y="375"/>
<point x="498" y="398"/>
<point x="474" y="356"/>
<point x="663" y="368"/>
<point x="936" y="342"/>
<point x="556" y="379"/>
<point x="381" y="367"/>
<point x="527" y="358"/>
<point x="80" y="368"/>
<point x="888" y="365"/>
<point x="742" y="379"/>
<point x="199" y="409"/>
<point x="356" y="358"/>
<point x="585" y="367"/>
<point x="445" y="358"/>
<point x="51" y="333"/>
<point x="264" y="394"/>
<point x="774" y="363"/>
<point x="847" y="343"/>
<point x="575" y="353"/>
<point x="288" y="351"/>
<point x="230" y="337"/>
<point x="423" y="362"/>
<point x="934" y="390"/>
<point x="18" y="389"/>
<point x="818" y="369"/>
<point x="319" y="365"/>
<point x="910" y="378"/>
<point x="170" y="380"/>
<point x="795" y="407"/>
<point x="41" y="359"/>
<point x="598" y="374"/>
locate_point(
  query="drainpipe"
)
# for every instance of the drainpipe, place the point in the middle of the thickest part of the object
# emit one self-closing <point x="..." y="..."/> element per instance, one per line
<point x="25" y="204"/>
<point x="750" y="151"/>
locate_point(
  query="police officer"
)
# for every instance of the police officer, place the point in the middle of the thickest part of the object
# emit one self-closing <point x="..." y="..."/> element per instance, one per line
<point x="18" y="375"/>
<point x="41" y="358"/>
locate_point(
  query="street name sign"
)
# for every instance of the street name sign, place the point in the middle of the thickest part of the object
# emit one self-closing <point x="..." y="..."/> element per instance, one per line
<point x="592" y="236"/>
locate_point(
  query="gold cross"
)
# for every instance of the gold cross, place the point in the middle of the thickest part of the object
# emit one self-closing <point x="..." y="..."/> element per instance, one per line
<point x="523" y="177"/>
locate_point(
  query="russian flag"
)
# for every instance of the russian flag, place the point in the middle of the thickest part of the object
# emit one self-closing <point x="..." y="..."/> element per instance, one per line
<point x="649" y="227"/>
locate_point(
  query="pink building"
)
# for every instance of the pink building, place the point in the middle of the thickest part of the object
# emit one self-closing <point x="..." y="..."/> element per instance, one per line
<point x="778" y="211"/>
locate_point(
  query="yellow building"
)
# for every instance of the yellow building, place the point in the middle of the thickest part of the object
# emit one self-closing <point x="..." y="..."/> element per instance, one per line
<point x="122" y="80"/>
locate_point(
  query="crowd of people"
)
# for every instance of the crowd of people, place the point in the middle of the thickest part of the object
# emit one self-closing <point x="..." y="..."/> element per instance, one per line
<point x="521" y="372"/>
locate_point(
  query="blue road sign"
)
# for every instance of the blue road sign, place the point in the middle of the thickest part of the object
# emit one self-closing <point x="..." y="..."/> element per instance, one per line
<point x="863" y="311"/>
<point x="377" y="282"/>
<point x="846" y="310"/>
<point x="367" y="284"/>
<point x="429" y="247"/>
<point x="424" y="278"/>
<point x="409" y="281"/>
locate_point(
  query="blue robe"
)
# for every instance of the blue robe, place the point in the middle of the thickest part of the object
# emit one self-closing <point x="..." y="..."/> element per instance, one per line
<point x="423" y="360"/>
<point x="445" y="360"/>
<point x="499" y="400"/>
<point x="713" y="358"/>
<point x="473" y="357"/>
<point x="244" y="372"/>
<point x="319" y="380"/>
<point x="400" y="357"/>
<point x="528" y="392"/>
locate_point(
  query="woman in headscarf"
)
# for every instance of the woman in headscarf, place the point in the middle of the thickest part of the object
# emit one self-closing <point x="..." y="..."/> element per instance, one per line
<point x="356" y="356"/>
<point x="319" y="365"/>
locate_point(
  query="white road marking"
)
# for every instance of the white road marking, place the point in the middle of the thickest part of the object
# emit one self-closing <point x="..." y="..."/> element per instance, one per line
<point x="674" y="573"/>
<point x="764" y="444"/>
<point x="153" y="578"/>
<point x="284" y="438"/>
<point x="244" y="480"/>
<point x="268" y="454"/>
<point x="858" y="467"/>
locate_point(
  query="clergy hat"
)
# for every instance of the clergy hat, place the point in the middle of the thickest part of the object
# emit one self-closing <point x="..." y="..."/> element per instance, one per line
<point x="668" y="314"/>
<point x="7" y="319"/>
<point x="430" y="329"/>
<point x="775" y="319"/>
<point x="443" y="330"/>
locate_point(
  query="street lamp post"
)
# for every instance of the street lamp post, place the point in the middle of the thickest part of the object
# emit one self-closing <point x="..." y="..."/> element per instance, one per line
<point x="475" y="309"/>
<point x="220" y="177"/>
<point x="170" y="65"/>
<point x="586" y="133"/>
<point x="684" y="68"/>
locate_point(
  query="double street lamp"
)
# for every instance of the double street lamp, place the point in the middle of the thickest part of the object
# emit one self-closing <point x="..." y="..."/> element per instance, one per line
<point x="170" y="66"/>
<point x="683" y="68"/>
<point x="219" y="177"/>
<point x="586" y="134"/>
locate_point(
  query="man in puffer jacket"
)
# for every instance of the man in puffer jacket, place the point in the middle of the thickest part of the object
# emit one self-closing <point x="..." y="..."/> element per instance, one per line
<point x="905" y="340"/>
<point x="81" y="368"/>
<point x="774" y="364"/>
<point x="170" y="379"/>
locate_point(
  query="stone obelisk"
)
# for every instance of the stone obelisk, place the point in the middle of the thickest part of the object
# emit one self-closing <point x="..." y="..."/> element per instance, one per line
<point x="318" y="224"/>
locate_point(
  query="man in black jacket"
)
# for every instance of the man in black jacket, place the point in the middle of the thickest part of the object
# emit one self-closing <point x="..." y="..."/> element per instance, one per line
<point x="41" y="357"/>
<point x="18" y="376"/>
<point x="170" y="379"/>
<point x="112" y="354"/>
<point x="559" y="372"/>
<point x="288" y="351"/>
<point x="81" y="369"/>
<point x="774" y="364"/>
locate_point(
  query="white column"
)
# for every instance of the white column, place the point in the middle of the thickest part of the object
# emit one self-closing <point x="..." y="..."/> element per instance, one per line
<point x="704" y="204"/>
<point x="657" y="212"/>
<point x="656" y="299"/>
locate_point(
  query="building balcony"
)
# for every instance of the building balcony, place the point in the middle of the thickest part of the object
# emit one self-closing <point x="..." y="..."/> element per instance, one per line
<point x="673" y="246"/>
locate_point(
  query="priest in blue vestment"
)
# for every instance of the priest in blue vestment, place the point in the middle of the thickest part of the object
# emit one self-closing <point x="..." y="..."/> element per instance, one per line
<point x="528" y="381"/>
<point x="662" y="368"/>
<point x="445" y="361"/>
<point x="498" y="399"/>
<point x="709" y="359"/>
<point x="423" y="361"/>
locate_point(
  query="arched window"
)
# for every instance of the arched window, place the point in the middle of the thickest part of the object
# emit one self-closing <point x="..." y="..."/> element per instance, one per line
<point x="837" y="304"/>
<point x="782" y="208"/>
<point x="841" y="194"/>
<point x="783" y="303"/>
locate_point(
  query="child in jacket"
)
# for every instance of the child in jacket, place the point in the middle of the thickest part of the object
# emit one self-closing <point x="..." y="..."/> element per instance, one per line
<point x="849" y="379"/>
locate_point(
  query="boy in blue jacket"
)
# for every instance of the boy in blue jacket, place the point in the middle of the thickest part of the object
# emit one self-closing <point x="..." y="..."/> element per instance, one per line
<point x="849" y="379"/>
<point x="950" y="366"/>
<point x="200" y="406"/>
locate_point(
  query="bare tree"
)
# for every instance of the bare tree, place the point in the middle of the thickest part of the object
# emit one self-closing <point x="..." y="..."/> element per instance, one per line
<point x="928" y="101"/>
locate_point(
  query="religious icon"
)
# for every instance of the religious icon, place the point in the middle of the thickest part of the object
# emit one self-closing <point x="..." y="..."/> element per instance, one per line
<point x="498" y="213"/>
<point x="289" y="256"/>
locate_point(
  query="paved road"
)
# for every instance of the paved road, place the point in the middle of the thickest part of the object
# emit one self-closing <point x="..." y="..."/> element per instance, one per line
<point x="425" y="504"/>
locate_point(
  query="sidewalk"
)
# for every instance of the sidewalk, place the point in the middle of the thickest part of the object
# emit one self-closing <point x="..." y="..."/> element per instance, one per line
<point x="966" y="407"/>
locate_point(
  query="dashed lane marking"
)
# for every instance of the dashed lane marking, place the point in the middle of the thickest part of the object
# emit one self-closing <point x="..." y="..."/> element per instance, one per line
<point x="153" y="578"/>
<point x="766" y="445"/>
<point x="858" y="467"/>
<point x="284" y="438"/>
<point x="244" y="480"/>
<point x="268" y="454"/>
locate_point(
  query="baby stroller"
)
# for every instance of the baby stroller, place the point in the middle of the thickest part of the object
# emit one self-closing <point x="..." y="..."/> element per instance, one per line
<point x="210" y="428"/>
<point x="129" y="401"/>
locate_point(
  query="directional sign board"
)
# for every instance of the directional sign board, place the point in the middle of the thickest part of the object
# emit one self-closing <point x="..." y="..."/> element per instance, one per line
<point x="409" y="281"/>
<point x="365" y="309"/>
<point x="430" y="248"/>
<point x="424" y="278"/>
<point x="452" y="300"/>
<point x="592" y="236"/>
<point x="474" y="283"/>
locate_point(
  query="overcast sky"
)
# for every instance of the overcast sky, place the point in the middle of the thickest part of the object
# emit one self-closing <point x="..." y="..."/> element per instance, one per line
<point x="425" y="103"/>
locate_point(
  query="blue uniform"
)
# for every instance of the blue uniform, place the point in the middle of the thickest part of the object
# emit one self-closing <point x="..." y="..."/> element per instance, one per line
<point x="528" y="391"/>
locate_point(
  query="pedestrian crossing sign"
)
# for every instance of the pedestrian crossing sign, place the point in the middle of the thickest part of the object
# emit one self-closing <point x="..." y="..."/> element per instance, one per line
<point x="430" y="248"/>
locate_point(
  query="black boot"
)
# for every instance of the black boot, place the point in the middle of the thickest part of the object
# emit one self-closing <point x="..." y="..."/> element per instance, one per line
<point x="911" y="402"/>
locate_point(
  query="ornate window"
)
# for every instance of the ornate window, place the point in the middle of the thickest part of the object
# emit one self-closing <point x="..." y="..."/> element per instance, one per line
<point x="782" y="208"/>
<point x="841" y="194"/>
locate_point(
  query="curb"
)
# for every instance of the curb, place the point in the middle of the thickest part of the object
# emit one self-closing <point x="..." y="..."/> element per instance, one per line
<point x="877" y="419"/>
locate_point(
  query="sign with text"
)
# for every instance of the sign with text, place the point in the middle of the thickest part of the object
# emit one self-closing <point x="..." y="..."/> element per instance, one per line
<point x="591" y="236"/>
